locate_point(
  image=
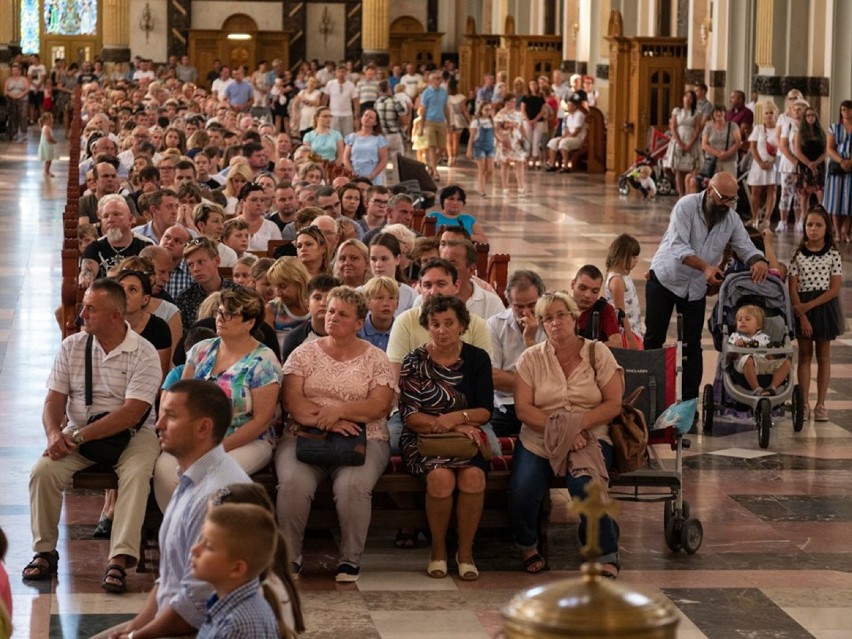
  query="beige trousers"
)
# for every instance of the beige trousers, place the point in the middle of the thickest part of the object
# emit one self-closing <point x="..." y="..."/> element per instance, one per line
<point x="49" y="479"/>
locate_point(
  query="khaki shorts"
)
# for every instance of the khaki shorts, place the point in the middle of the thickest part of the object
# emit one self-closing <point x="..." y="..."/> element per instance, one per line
<point x="436" y="135"/>
<point x="762" y="365"/>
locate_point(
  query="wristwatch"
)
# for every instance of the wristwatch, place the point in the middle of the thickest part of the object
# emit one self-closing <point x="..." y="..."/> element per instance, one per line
<point x="466" y="417"/>
<point x="77" y="436"/>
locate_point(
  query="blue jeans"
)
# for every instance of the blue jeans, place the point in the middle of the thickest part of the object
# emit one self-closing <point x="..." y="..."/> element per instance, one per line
<point x="530" y="481"/>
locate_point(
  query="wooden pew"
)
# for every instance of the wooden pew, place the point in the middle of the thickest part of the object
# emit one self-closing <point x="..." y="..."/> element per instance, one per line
<point x="274" y="245"/>
<point x="498" y="273"/>
<point x="429" y="224"/>
<point x="481" y="259"/>
<point x="417" y="220"/>
<point x="592" y="154"/>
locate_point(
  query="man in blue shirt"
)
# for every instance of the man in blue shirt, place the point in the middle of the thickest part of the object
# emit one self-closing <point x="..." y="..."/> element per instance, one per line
<point x="701" y="226"/>
<point x="194" y="416"/>
<point x="436" y="120"/>
<point x="239" y="93"/>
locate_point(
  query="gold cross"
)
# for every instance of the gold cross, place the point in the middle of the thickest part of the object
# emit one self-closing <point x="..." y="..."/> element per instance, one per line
<point x="594" y="508"/>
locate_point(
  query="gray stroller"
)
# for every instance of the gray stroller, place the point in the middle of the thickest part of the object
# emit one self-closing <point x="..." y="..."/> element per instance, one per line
<point x="730" y="393"/>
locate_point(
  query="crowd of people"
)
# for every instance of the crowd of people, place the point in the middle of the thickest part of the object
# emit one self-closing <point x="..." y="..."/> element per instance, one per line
<point x="251" y="283"/>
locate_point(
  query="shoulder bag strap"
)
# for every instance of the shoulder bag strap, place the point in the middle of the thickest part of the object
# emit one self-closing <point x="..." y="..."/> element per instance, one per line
<point x="592" y="357"/>
<point x="89" y="341"/>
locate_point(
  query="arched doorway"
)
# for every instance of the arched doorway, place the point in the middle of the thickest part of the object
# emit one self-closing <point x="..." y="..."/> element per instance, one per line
<point x="410" y="42"/>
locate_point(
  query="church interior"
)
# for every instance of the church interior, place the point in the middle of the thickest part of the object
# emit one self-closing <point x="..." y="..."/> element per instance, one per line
<point x="776" y="557"/>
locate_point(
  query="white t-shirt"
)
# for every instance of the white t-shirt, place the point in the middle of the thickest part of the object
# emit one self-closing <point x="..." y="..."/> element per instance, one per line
<point x="36" y="74"/>
<point x="340" y="97"/>
<point x="788" y="129"/>
<point x="268" y="231"/>
<point x="219" y="85"/>
<point x="412" y="83"/>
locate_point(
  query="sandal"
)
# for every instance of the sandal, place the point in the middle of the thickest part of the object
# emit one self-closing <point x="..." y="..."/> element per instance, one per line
<point x="41" y="571"/>
<point x="107" y="583"/>
<point x="103" y="530"/>
<point x="531" y="561"/>
<point x="437" y="568"/>
<point x="467" y="572"/>
<point x="607" y="572"/>
<point x="406" y="539"/>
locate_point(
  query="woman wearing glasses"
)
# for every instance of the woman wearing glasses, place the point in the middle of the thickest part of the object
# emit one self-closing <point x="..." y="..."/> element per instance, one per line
<point x="565" y="402"/>
<point x="250" y="375"/>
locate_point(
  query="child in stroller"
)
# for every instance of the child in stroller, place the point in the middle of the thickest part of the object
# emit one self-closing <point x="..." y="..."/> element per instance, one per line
<point x="641" y="179"/>
<point x="749" y="334"/>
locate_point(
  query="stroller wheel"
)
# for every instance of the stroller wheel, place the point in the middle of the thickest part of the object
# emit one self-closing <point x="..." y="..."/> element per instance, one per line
<point x="673" y="534"/>
<point x="798" y="408"/>
<point x="691" y="536"/>
<point x="623" y="188"/>
<point x="707" y="408"/>
<point x="764" y="422"/>
<point x="665" y="185"/>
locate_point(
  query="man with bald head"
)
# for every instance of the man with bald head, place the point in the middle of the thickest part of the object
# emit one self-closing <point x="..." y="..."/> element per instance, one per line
<point x="285" y="170"/>
<point x="174" y="239"/>
<point x="118" y="241"/>
<point x="701" y="226"/>
<point x="105" y="172"/>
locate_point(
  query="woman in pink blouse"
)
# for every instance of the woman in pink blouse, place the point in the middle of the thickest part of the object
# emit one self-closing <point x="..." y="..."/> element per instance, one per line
<point x="335" y="383"/>
<point x="565" y="405"/>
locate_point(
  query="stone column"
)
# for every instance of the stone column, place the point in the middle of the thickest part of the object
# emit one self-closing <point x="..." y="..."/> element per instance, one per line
<point x="375" y="28"/>
<point x="116" y="30"/>
<point x="7" y="29"/>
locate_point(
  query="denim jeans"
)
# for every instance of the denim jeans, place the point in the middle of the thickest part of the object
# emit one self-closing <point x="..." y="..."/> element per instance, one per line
<point x="530" y="481"/>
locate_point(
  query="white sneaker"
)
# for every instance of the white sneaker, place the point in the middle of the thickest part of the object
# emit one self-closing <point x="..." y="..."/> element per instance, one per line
<point x="781" y="227"/>
<point x="799" y="227"/>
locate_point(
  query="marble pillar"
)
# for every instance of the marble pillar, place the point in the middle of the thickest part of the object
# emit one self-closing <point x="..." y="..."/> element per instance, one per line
<point x="115" y="23"/>
<point x="375" y="37"/>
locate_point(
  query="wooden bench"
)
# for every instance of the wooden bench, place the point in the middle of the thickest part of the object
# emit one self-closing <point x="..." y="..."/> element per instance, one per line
<point x="398" y="499"/>
<point x="592" y="154"/>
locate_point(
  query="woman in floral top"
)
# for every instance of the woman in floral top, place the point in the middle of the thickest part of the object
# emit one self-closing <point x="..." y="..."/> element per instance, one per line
<point x="250" y="375"/>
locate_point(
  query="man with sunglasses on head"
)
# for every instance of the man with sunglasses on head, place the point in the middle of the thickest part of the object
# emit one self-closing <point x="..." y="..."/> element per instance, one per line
<point x="701" y="226"/>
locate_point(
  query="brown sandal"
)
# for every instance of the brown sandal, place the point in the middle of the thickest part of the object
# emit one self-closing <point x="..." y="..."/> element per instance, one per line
<point x="42" y="571"/>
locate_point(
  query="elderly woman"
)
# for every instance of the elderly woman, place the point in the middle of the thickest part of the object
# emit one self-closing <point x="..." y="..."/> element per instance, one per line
<point x="250" y="375"/>
<point x="565" y="405"/>
<point x="445" y="386"/>
<point x="340" y="384"/>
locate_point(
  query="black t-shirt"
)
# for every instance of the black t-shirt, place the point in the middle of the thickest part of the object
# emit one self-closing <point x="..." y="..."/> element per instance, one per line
<point x="157" y="332"/>
<point x="533" y="104"/>
<point x="102" y="252"/>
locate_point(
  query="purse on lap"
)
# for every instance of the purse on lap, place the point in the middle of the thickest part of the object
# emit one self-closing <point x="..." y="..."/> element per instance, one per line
<point x="107" y="450"/>
<point x="326" y="448"/>
<point x="452" y="445"/>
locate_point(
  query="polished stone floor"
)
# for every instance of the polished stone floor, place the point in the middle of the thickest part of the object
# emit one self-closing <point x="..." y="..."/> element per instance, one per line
<point x="775" y="561"/>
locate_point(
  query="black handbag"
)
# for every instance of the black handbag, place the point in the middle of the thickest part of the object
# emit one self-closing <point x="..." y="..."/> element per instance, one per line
<point x="326" y="448"/>
<point x="834" y="168"/>
<point x="107" y="450"/>
<point x="708" y="169"/>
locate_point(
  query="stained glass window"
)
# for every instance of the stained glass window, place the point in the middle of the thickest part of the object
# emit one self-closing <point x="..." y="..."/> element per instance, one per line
<point x="61" y="17"/>
<point x="71" y="17"/>
<point x="29" y="26"/>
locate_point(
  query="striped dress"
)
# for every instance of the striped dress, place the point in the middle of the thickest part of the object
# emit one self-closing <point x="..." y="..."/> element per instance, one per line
<point x="837" y="199"/>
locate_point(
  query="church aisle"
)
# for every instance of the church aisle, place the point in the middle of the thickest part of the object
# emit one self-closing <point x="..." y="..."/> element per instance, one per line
<point x="775" y="561"/>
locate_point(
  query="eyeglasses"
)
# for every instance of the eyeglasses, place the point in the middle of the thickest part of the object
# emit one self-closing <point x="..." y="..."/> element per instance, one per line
<point x="725" y="199"/>
<point x="227" y="315"/>
<point x="380" y="202"/>
<point x="561" y="316"/>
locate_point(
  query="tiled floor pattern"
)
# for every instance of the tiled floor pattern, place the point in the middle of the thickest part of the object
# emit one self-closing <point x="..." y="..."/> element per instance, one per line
<point x="775" y="561"/>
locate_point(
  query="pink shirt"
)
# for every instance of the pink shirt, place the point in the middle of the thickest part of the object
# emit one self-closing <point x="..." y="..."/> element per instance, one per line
<point x="539" y="368"/>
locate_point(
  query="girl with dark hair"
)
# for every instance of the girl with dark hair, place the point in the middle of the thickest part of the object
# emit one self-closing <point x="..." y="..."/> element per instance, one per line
<point x="815" y="276"/>
<point x="385" y="256"/>
<point x="838" y="185"/>
<point x="809" y="147"/>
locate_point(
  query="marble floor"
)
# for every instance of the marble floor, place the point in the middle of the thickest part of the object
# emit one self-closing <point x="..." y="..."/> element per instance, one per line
<point x="775" y="561"/>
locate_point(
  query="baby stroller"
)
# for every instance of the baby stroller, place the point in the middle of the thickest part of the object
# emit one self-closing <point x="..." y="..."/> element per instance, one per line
<point x="730" y="395"/>
<point x="658" y="143"/>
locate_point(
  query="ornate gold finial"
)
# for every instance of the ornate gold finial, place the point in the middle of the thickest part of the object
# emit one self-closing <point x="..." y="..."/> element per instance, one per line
<point x="594" y="508"/>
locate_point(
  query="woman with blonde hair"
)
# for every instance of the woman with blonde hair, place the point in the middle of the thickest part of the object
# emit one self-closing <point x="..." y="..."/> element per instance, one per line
<point x="312" y="250"/>
<point x="761" y="176"/>
<point x="239" y="175"/>
<point x="352" y="263"/>
<point x="289" y="279"/>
